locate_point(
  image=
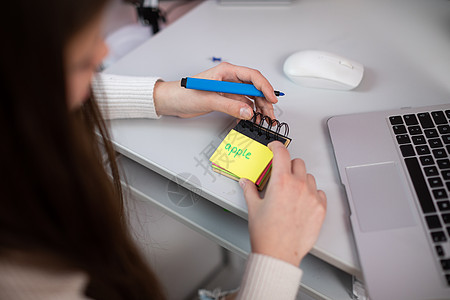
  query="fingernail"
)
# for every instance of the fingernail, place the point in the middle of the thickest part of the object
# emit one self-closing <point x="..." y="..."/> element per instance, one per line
<point x="242" y="183"/>
<point x="245" y="113"/>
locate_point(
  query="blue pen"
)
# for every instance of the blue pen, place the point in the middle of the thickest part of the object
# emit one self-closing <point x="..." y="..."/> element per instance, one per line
<point x="223" y="87"/>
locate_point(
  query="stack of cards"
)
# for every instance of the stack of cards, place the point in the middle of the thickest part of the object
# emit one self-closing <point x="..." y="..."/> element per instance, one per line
<point x="244" y="153"/>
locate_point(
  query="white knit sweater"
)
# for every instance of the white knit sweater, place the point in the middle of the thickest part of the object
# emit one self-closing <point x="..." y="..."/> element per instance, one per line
<point x="123" y="97"/>
<point x="265" y="277"/>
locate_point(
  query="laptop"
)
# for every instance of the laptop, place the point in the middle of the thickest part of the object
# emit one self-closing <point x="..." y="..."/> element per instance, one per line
<point x="396" y="171"/>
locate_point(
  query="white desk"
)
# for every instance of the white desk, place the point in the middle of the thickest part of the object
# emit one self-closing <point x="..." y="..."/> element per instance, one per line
<point x="403" y="68"/>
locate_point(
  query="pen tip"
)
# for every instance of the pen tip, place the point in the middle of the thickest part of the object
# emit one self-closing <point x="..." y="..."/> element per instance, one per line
<point x="280" y="94"/>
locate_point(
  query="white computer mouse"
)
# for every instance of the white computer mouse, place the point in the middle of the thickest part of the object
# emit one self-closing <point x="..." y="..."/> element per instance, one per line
<point x="320" y="69"/>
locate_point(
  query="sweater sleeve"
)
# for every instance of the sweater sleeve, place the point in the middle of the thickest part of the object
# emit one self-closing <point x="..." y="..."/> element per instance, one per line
<point x="267" y="278"/>
<point x="123" y="97"/>
<point x="26" y="282"/>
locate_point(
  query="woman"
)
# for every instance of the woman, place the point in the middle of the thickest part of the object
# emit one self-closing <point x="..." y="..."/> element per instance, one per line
<point x="62" y="230"/>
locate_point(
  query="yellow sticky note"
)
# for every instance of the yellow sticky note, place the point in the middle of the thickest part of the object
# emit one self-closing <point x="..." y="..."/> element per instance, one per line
<point x="242" y="156"/>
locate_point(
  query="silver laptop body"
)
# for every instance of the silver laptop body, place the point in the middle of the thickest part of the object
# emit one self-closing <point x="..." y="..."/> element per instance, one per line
<point x="404" y="254"/>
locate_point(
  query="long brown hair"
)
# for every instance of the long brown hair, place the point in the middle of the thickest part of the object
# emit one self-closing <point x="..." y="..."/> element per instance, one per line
<point x="56" y="197"/>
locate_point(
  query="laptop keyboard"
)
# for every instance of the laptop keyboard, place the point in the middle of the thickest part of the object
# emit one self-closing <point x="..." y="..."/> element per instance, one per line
<point x="424" y="141"/>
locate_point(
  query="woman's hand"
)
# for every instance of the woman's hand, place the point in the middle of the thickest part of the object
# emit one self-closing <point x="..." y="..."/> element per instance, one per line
<point x="172" y="99"/>
<point x="286" y="223"/>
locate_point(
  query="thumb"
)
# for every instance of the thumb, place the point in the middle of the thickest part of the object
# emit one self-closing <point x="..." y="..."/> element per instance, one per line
<point x="250" y="193"/>
<point x="237" y="109"/>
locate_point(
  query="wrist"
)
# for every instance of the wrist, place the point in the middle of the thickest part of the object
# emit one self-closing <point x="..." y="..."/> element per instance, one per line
<point x="158" y="97"/>
<point x="165" y="98"/>
<point x="293" y="258"/>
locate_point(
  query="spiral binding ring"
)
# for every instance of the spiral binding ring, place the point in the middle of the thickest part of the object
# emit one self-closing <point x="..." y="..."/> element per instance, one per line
<point x="286" y="129"/>
<point x="270" y="123"/>
<point x="255" y="115"/>
<point x="261" y="124"/>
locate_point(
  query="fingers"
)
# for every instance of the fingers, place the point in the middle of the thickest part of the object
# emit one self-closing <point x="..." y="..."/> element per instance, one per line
<point x="240" y="98"/>
<point x="249" y="75"/>
<point x="298" y="168"/>
<point x="265" y="107"/>
<point x="250" y="193"/>
<point x="259" y="81"/>
<point x="311" y="182"/>
<point x="322" y="198"/>
<point x="320" y="195"/>
<point x="228" y="72"/>
<point x="232" y="105"/>
<point x="237" y="109"/>
<point x="281" y="163"/>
